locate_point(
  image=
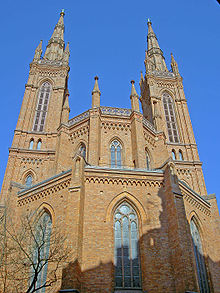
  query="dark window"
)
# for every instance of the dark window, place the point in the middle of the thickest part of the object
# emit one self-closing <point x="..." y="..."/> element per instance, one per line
<point x="116" y="154"/>
<point x="41" y="109"/>
<point x="200" y="261"/>
<point x="127" y="265"/>
<point x="170" y="118"/>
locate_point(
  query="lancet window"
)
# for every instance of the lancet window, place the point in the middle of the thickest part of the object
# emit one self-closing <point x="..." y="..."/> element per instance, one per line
<point x="41" y="248"/>
<point x="42" y="106"/>
<point x="170" y="118"/>
<point x="126" y="261"/>
<point x="199" y="256"/>
<point x="29" y="180"/>
<point x="31" y="144"/>
<point x="39" y="144"/>
<point x="180" y="155"/>
<point x="147" y="161"/>
<point x="82" y="150"/>
<point x="116" y="150"/>
<point x="173" y="155"/>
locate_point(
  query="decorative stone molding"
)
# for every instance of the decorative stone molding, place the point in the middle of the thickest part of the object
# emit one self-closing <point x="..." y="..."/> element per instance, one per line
<point x="78" y="118"/>
<point x="149" y="139"/>
<point x="32" y="161"/>
<point x="186" y="172"/>
<point x="165" y="84"/>
<point x="115" y="111"/>
<point x="163" y="74"/>
<point x="37" y="195"/>
<point x="116" y="125"/>
<point x="196" y="204"/>
<point x="122" y="181"/>
<point x="79" y="132"/>
<point x="148" y="125"/>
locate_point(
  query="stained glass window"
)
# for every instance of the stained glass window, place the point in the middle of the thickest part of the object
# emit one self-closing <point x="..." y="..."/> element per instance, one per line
<point x="200" y="261"/>
<point x="127" y="265"/>
<point x="42" y="105"/>
<point x="116" y="154"/>
<point x="170" y="118"/>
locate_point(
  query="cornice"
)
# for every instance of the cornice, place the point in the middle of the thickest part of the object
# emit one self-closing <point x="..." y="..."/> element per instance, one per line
<point x="195" y="199"/>
<point x="28" y="151"/>
<point x="44" y="188"/>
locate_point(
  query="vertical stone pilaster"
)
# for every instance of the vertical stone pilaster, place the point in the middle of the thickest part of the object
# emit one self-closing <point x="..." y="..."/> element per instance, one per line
<point x="94" y="137"/>
<point x="137" y="140"/>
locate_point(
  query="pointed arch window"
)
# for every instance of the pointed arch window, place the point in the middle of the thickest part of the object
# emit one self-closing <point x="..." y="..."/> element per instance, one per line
<point x="42" y="106"/>
<point x="116" y="150"/>
<point x="173" y="155"/>
<point x="147" y="160"/>
<point x="29" y="180"/>
<point x="82" y="150"/>
<point x="31" y="144"/>
<point x="180" y="155"/>
<point x="39" y="144"/>
<point x="199" y="257"/>
<point x="170" y="118"/>
<point x="126" y="260"/>
<point x="41" y="248"/>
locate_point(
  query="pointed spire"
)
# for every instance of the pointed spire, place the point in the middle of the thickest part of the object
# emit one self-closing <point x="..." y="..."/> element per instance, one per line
<point x="55" y="47"/>
<point x="96" y="94"/>
<point x="154" y="59"/>
<point x="66" y="54"/>
<point x="133" y="90"/>
<point x="38" y="52"/>
<point x="174" y="65"/>
<point x="134" y="98"/>
<point x="96" y="86"/>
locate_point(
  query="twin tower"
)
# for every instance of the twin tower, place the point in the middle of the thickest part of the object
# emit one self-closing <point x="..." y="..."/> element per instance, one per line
<point x="126" y="186"/>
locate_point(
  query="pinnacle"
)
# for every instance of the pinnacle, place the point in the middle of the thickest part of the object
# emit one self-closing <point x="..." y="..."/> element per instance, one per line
<point x="96" y="86"/>
<point x="133" y="90"/>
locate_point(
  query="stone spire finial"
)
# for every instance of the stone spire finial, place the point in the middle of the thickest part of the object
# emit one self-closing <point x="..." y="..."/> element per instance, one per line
<point x="96" y="94"/>
<point x="174" y="65"/>
<point x="134" y="98"/>
<point x="38" y="52"/>
<point x="96" y="86"/>
<point x="154" y="53"/>
<point x="55" y="47"/>
<point x="133" y="90"/>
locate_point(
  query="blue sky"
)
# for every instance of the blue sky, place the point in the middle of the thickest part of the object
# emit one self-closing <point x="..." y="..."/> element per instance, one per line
<point x="108" y="39"/>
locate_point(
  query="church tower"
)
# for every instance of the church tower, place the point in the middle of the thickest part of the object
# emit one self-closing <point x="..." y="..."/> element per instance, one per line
<point x="124" y="186"/>
<point x="164" y="105"/>
<point x="45" y="106"/>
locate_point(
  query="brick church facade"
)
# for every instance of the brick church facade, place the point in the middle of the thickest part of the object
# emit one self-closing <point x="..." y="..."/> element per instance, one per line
<point x="127" y="188"/>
